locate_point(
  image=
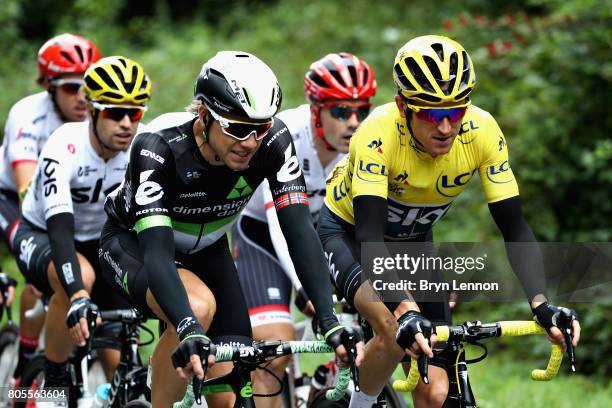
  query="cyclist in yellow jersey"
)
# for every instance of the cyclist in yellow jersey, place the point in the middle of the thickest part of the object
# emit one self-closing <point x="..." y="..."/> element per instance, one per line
<point x="407" y="162"/>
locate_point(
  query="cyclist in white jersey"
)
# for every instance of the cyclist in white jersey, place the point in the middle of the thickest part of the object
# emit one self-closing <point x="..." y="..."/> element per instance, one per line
<point x="338" y="88"/>
<point x="56" y="243"/>
<point x="62" y="61"/>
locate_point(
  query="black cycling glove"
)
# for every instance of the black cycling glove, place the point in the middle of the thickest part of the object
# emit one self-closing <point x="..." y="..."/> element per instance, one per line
<point x="194" y="342"/>
<point x="547" y="315"/>
<point x="80" y="307"/>
<point x="340" y="336"/>
<point x="411" y="323"/>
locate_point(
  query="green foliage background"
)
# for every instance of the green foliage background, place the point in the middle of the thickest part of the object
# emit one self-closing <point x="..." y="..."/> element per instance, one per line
<point x="544" y="71"/>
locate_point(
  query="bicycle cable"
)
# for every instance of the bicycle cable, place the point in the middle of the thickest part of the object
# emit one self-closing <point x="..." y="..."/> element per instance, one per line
<point x="479" y="358"/>
<point x="280" y="382"/>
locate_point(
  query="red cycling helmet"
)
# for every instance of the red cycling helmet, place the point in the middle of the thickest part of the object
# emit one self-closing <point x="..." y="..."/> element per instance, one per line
<point x="339" y="76"/>
<point x="66" y="54"/>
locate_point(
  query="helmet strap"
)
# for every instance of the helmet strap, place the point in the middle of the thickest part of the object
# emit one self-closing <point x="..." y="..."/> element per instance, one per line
<point x="319" y="129"/>
<point x="53" y="92"/>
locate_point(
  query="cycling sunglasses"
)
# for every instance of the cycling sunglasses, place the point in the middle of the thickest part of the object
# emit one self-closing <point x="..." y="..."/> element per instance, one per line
<point x="118" y="112"/>
<point x="436" y="116"/>
<point x="344" y="112"/>
<point x="69" y="86"/>
<point x="242" y="130"/>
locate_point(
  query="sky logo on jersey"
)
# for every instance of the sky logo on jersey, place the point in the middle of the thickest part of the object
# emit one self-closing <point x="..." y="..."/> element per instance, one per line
<point x="405" y="221"/>
<point x="500" y="174"/>
<point x="452" y="186"/>
<point x="376" y="145"/>
<point x="374" y="169"/>
<point x="240" y="189"/>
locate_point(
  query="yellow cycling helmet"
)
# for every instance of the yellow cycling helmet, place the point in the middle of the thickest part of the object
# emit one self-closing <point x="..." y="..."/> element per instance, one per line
<point x="433" y="71"/>
<point x="117" y="80"/>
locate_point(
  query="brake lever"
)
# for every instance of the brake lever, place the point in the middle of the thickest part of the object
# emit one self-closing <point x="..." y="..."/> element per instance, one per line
<point x="351" y="343"/>
<point x="92" y="317"/>
<point x="423" y="362"/>
<point x="565" y="325"/>
<point x="196" y="382"/>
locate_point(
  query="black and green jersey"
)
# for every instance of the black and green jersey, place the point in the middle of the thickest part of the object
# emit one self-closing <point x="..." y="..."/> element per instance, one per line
<point x="168" y="183"/>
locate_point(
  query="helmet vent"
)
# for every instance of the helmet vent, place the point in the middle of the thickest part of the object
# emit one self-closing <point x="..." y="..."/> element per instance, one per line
<point x="402" y="78"/>
<point x="465" y="76"/>
<point x="353" y="73"/>
<point x="242" y="56"/>
<point x="106" y="78"/>
<point x="437" y="47"/>
<point x="79" y="51"/>
<point x="112" y="95"/>
<point x="427" y="98"/>
<point x="67" y="56"/>
<point x="463" y="94"/>
<point x="246" y="96"/>
<point x="91" y="84"/>
<point x="433" y="68"/>
<point x="317" y="79"/>
<point x="418" y="74"/>
<point x="273" y="93"/>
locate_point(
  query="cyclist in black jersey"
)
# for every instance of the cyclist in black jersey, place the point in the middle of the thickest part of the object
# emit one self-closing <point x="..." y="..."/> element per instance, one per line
<point x="164" y="245"/>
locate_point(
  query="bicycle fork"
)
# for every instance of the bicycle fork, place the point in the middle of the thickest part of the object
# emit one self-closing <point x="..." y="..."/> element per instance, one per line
<point x="460" y="393"/>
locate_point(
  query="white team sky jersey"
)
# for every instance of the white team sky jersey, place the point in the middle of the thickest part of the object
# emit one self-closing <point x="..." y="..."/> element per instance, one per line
<point x="71" y="177"/>
<point x="298" y="121"/>
<point x="29" y="124"/>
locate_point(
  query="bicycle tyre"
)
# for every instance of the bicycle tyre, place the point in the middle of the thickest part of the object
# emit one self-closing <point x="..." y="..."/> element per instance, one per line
<point x="31" y="372"/>
<point x="9" y="342"/>
<point x="319" y="400"/>
<point x="394" y="400"/>
<point x="138" y="404"/>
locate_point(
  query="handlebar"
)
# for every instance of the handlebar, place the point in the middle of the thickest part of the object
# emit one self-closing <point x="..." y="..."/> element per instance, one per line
<point x="470" y="332"/>
<point x="261" y="352"/>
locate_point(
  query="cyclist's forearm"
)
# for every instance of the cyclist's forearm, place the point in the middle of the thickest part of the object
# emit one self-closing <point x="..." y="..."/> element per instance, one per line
<point x="310" y="264"/>
<point x="370" y="223"/>
<point x="60" y="228"/>
<point x="521" y="247"/>
<point x="164" y="281"/>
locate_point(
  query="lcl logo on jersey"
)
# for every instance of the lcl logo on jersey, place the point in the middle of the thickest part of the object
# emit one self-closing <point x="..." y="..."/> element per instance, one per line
<point x="452" y="186"/>
<point x="340" y="191"/>
<point x="463" y="135"/>
<point x="363" y="169"/>
<point x="500" y="173"/>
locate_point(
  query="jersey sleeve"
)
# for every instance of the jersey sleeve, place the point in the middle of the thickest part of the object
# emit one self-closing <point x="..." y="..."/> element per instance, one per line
<point x="283" y="170"/>
<point x="497" y="178"/>
<point x="56" y="170"/>
<point x="22" y="146"/>
<point x="152" y="177"/>
<point x="370" y="156"/>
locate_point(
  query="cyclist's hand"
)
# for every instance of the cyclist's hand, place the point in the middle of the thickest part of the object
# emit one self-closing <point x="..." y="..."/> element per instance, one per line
<point x="188" y="356"/>
<point x="303" y="303"/>
<point x="337" y="338"/>
<point x="76" y="319"/>
<point x="7" y="284"/>
<point x="410" y="337"/>
<point x="547" y="315"/>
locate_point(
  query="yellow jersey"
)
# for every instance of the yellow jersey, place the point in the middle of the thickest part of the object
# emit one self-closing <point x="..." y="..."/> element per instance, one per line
<point x="384" y="161"/>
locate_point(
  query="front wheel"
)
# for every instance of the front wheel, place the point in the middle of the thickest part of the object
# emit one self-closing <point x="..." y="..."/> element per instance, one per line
<point x="138" y="404"/>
